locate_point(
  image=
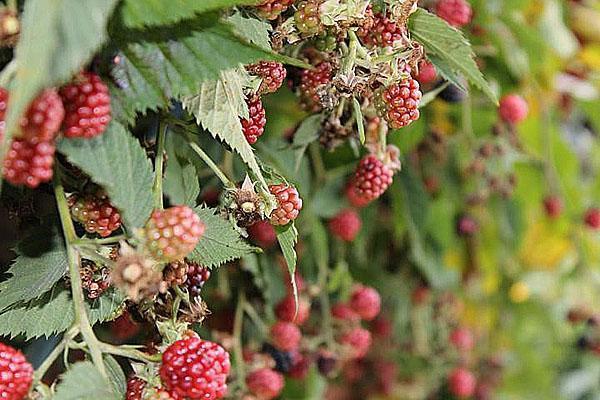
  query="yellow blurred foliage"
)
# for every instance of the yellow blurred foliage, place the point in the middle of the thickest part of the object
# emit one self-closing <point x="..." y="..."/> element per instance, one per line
<point x="544" y="247"/>
<point x="519" y="292"/>
<point x="590" y="56"/>
<point x="479" y="316"/>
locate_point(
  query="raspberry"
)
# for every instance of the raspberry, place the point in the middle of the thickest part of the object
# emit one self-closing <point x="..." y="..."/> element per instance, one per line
<point x="382" y="327"/>
<point x="398" y="103"/>
<point x="466" y="226"/>
<point x="289" y="204"/>
<point x="285" y="336"/>
<point x="462" y="339"/>
<point x="265" y="383"/>
<point x="271" y="9"/>
<point x="344" y="312"/>
<point x="300" y="366"/>
<point x="135" y="389"/>
<point x="286" y="310"/>
<point x="513" y="109"/>
<point x="311" y="83"/>
<point x="16" y="374"/>
<point x="175" y="273"/>
<point x="456" y="12"/>
<point x="95" y="279"/>
<point x="193" y="368"/>
<point x="592" y="218"/>
<point x="272" y="74"/>
<point x="95" y="213"/>
<point x="87" y="106"/>
<point x="196" y="278"/>
<point x="263" y="233"/>
<point x="381" y="32"/>
<point x="173" y="233"/>
<point x="427" y="73"/>
<point x="372" y="177"/>
<point x="308" y="19"/>
<point x="461" y="382"/>
<point x="43" y="118"/>
<point x="358" y="340"/>
<point x="28" y="163"/>
<point x="386" y="373"/>
<point x="254" y="126"/>
<point x="553" y="206"/>
<point x="355" y="199"/>
<point x="345" y="225"/>
<point x="366" y="302"/>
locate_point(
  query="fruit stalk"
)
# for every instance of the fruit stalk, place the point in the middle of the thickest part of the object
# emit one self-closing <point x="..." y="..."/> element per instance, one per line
<point x="157" y="190"/>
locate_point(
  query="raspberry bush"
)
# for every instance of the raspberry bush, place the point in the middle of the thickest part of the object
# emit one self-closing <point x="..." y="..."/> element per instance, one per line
<point x="418" y="219"/>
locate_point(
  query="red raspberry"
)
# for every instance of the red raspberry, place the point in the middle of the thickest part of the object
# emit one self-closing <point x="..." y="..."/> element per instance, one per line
<point x="254" y="126"/>
<point x="300" y="366"/>
<point x="382" y="327"/>
<point x="372" y="177"/>
<point x="398" y="103"/>
<point x="271" y="9"/>
<point x="87" y="106"/>
<point x="286" y="310"/>
<point x="173" y="233"/>
<point x="197" y="276"/>
<point x="461" y="382"/>
<point x="263" y="233"/>
<point x="553" y="206"/>
<point x="28" y="163"/>
<point x="285" y="335"/>
<point x="16" y="374"/>
<point x="462" y="339"/>
<point x="386" y="373"/>
<point x="456" y="12"/>
<point x="420" y="295"/>
<point x="135" y="388"/>
<point x="96" y="213"/>
<point x="265" y="383"/>
<point x="311" y="82"/>
<point x="345" y="225"/>
<point x="308" y="18"/>
<point x="381" y="32"/>
<point x="193" y="368"/>
<point x="366" y="302"/>
<point x="289" y="204"/>
<point x="466" y="226"/>
<point x="300" y="284"/>
<point x="272" y="73"/>
<point x="344" y="312"/>
<point x="592" y="218"/>
<point x="427" y="73"/>
<point x="358" y="340"/>
<point x="42" y="119"/>
<point x="513" y="109"/>
<point x="355" y="199"/>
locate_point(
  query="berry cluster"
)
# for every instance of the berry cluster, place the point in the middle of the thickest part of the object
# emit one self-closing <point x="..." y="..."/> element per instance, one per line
<point x="96" y="213"/>
<point x="398" y="103"/>
<point x="289" y="204"/>
<point x="16" y="374"/>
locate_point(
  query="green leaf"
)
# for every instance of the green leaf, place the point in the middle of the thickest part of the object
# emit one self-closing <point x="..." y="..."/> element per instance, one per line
<point x="448" y="44"/>
<point x="220" y="243"/>
<point x="57" y="40"/>
<point x="307" y="132"/>
<point x="33" y="274"/>
<point x="116" y="376"/>
<point x="139" y="13"/>
<point x="118" y="162"/>
<point x="181" y="183"/>
<point x="82" y="381"/>
<point x="252" y="30"/>
<point x="359" y="120"/>
<point x="287" y="236"/>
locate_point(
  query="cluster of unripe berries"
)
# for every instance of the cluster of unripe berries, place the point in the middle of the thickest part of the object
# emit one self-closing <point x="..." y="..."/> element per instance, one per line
<point x="80" y="109"/>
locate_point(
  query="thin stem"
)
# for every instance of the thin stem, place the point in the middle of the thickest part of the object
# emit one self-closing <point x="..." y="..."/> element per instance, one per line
<point x="319" y="166"/>
<point x="237" y="339"/>
<point x="211" y="164"/>
<point x="256" y="320"/>
<point x="157" y="188"/>
<point x="132" y="354"/>
<point x="81" y="317"/>
<point x="325" y="304"/>
<point x="350" y="58"/>
<point x="99" y="241"/>
<point x="47" y="363"/>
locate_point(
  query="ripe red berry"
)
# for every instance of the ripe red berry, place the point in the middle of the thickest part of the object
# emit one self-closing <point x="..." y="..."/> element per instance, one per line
<point x="265" y="383"/>
<point x="135" y="388"/>
<point x="308" y="18"/>
<point x="354" y="198"/>
<point x="462" y="339"/>
<point x="311" y="82"/>
<point x="366" y="302"/>
<point x="466" y="226"/>
<point x="173" y="233"/>
<point x="254" y="126"/>
<point x="16" y="374"/>
<point x="193" y="368"/>
<point x="592" y="218"/>
<point x="300" y="365"/>
<point x="272" y="73"/>
<point x="285" y="335"/>
<point x="513" y="108"/>
<point x="289" y="204"/>
<point x="345" y="225"/>
<point x="87" y="106"/>
<point x="553" y="206"/>
<point x="286" y="310"/>
<point x="344" y="312"/>
<point x="358" y="341"/>
<point x="28" y="163"/>
<point x="271" y="9"/>
<point x="461" y="382"/>
<point x="372" y="177"/>
<point x="456" y="12"/>
<point x="197" y="276"/>
<point x="263" y="233"/>
<point x="96" y="213"/>
<point x="42" y="119"/>
<point x="381" y="31"/>
<point x="382" y="327"/>
<point x="427" y="73"/>
<point x="398" y="103"/>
